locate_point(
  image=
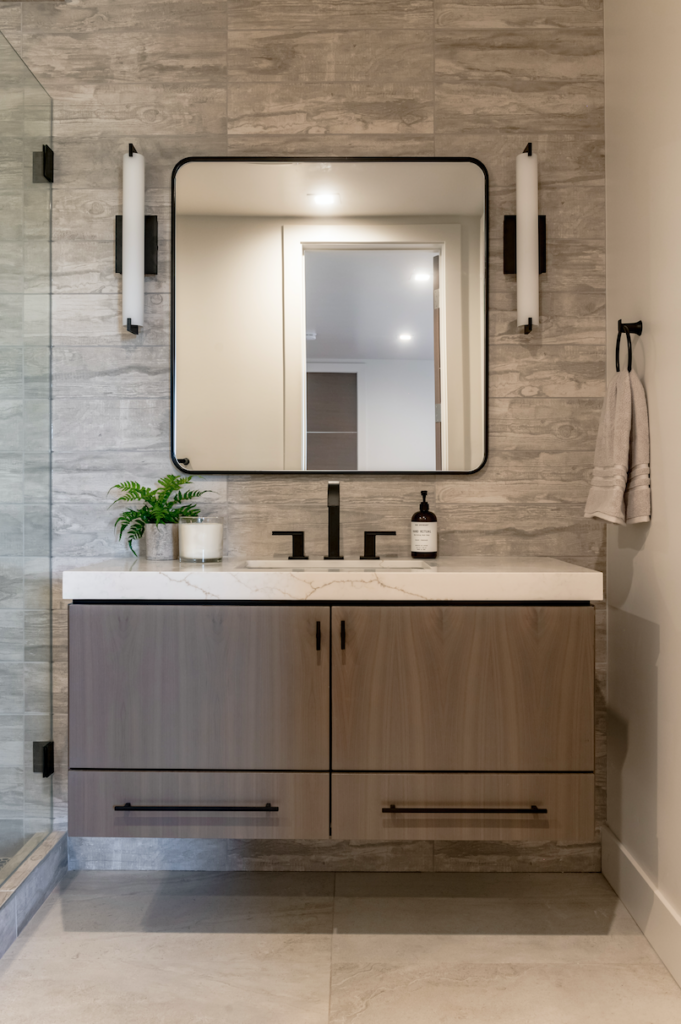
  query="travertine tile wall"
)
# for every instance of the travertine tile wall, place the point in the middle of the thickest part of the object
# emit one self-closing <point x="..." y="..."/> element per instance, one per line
<point x="328" y="77"/>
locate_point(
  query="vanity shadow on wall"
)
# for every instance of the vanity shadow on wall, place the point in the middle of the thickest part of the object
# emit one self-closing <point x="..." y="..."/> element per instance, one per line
<point x="329" y="316"/>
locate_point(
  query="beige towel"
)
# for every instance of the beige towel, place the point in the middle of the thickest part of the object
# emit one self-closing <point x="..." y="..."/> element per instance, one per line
<point x="620" y="485"/>
<point x="637" y="499"/>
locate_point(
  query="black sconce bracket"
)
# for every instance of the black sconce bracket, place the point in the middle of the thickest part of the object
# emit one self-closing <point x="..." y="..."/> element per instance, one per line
<point x="43" y="166"/>
<point x="150" y="244"/>
<point x="510" y="244"/>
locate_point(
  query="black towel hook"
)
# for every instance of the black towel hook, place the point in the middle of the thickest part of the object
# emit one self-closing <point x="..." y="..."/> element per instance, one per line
<point x="627" y="329"/>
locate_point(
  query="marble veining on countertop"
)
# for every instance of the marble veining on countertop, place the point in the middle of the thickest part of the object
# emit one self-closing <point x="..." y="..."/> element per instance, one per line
<point x="481" y="578"/>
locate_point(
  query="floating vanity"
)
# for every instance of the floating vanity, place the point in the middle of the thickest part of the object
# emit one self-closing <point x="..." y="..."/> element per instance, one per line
<point x="452" y="699"/>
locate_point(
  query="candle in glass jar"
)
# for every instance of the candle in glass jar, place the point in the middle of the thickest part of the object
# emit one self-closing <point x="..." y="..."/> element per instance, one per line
<point x="200" y="539"/>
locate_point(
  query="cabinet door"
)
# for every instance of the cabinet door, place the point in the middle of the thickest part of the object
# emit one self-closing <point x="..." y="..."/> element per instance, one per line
<point x="202" y="687"/>
<point x="463" y="688"/>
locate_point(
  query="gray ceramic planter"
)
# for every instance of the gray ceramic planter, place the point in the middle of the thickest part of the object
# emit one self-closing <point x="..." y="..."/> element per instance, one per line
<point x="161" y="542"/>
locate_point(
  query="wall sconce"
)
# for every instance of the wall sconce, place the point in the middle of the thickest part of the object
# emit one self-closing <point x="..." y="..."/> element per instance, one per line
<point x="525" y="239"/>
<point x="137" y="249"/>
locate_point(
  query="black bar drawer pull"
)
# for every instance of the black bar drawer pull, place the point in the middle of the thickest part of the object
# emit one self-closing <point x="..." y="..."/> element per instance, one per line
<point x="319" y="636"/>
<point x="465" y="810"/>
<point x="342" y="634"/>
<point x="188" y="807"/>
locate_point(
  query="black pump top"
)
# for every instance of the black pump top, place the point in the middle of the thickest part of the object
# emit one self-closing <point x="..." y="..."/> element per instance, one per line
<point x="424" y="504"/>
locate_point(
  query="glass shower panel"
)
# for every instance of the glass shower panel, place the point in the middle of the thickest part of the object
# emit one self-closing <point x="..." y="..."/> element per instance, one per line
<point x="25" y="592"/>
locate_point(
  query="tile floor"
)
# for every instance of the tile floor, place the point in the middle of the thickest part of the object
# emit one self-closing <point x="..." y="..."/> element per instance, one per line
<point x="306" y="948"/>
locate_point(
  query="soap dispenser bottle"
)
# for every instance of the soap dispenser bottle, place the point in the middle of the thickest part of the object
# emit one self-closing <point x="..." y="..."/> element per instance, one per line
<point x="424" y="531"/>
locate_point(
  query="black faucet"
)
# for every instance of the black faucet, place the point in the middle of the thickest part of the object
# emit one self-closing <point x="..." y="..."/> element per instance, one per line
<point x="333" y="501"/>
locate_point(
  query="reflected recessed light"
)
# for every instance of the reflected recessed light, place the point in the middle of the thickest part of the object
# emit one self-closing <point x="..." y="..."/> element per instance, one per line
<point x="324" y="198"/>
<point x="405" y="337"/>
<point x="421" y="277"/>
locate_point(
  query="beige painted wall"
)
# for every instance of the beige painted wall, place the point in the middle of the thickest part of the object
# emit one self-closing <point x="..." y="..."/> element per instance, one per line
<point x="374" y="77"/>
<point x="643" y="146"/>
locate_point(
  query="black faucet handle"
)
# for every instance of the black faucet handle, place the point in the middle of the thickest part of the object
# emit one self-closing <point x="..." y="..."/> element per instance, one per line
<point x="370" y="543"/>
<point x="298" y="543"/>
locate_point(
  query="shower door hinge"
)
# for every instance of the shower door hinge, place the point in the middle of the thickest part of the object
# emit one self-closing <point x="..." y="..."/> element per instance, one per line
<point x="43" y="758"/>
<point x="43" y="166"/>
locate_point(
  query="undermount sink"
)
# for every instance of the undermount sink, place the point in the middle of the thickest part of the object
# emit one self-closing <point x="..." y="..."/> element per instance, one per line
<point x="293" y="565"/>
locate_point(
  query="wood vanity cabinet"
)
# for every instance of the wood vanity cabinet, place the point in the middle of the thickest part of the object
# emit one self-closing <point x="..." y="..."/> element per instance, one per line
<point x="361" y="722"/>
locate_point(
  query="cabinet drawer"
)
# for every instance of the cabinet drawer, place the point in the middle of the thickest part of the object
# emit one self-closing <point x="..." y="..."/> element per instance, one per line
<point x="360" y="801"/>
<point x="302" y="800"/>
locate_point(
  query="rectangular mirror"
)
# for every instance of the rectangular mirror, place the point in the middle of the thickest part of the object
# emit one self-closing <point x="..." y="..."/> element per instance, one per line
<point x="329" y="316"/>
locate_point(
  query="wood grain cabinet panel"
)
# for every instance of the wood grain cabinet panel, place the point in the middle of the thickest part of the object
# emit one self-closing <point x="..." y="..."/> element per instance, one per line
<point x="463" y="688"/>
<point x="302" y="800"/>
<point x="198" y="687"/>
<point x="358" y="803"/>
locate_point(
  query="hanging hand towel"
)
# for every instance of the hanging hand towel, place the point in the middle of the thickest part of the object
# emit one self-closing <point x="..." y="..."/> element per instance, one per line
<point x="611" y="465"/>
<point x="620" y="485"/>
<point x="637" y="495"/>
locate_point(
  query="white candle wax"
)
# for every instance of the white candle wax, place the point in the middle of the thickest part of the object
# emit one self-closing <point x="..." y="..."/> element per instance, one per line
<point x="200" y="541"/>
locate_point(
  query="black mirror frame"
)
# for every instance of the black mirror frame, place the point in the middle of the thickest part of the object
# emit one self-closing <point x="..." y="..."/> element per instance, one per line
<point x="326" y="159"/>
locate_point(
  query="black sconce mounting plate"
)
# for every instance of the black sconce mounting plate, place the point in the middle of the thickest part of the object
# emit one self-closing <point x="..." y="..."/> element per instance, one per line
<point x="150" y="244"/>
<point x="510" y="244"/>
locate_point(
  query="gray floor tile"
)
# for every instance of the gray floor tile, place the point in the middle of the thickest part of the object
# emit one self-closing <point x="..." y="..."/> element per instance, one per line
<point x="317" y="948"/>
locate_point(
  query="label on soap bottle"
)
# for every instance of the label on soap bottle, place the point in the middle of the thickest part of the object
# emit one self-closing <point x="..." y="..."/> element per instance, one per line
<point x="424" y="537"/>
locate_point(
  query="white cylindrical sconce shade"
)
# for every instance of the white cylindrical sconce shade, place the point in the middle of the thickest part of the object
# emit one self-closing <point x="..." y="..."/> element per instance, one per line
<point x="527" y="238"/>
<point x="133" y="240"/>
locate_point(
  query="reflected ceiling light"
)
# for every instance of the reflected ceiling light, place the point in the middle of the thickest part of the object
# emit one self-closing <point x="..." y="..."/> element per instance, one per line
<point x="421" y="276"/>
<point x="405" y="337"/>
<point x="324" y="198"/>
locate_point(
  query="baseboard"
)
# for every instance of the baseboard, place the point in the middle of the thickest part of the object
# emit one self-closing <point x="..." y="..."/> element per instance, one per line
<point x="29" y="886"/>
<point x="652" y="912"/>
<point x="129" y="853"/>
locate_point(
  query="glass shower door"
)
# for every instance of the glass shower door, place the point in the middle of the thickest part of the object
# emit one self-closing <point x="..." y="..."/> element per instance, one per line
<point x="25" y="597"/>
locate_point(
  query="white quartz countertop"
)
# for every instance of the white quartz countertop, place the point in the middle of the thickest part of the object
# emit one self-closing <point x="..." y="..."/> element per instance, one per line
<point x="483" y="578"/>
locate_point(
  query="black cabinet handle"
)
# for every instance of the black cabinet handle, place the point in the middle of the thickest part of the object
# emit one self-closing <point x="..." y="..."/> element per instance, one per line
<point x="342" y="634"/>
<point x="188" y="807"/>
<point x="319" y="636"/>
<point x="465" y="810"/>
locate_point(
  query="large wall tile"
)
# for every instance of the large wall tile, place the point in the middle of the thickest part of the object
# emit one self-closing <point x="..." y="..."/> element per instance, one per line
<point x="518" y="104"/>
<point x="304" y="16"/>
<point x="137" y="111"/>
<point x="111" y="423"/>
<point x="551" y="15"/>
<point x="141" y="372"/>
<point x="392" y="107"/>
<point x="331" y="145"/>
<point x="360" y="56"/>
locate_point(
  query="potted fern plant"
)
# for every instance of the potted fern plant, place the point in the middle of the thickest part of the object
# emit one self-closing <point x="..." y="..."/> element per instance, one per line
<point x="157" y="516"/>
